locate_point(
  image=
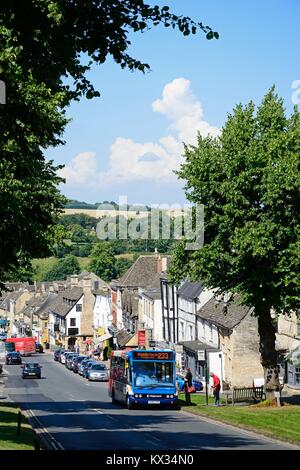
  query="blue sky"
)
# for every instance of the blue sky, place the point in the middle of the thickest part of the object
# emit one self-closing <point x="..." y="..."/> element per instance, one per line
<point x="128" y="142"/>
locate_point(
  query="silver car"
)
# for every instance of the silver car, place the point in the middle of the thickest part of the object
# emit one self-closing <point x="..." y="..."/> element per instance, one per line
<point x="97" y="372"/>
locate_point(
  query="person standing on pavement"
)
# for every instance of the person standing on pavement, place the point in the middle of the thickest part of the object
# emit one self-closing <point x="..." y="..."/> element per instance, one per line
<point x="187" y="384"/>
<point x="216" y="388"/>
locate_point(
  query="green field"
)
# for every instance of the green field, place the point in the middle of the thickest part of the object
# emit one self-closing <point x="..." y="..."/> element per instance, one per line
<point x="9" y="440"/>
<point x="42" y="265"/>
<point x="281" y="423"/>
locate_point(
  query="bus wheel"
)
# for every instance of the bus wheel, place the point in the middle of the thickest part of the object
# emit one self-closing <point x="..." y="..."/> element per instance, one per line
<point x="113" y="400"/>
<point x="129" y="405"/>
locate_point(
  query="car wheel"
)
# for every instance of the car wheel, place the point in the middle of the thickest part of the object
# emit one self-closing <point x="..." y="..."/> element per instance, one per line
<point x="39" y="377"/>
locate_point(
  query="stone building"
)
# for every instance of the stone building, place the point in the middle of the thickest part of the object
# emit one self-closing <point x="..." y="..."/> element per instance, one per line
<point x="288" y="345"/>
<point x="233" y="330"/>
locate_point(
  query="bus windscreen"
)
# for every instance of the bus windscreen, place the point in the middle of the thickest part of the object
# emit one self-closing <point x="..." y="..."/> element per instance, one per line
<point x="153" y="374"/>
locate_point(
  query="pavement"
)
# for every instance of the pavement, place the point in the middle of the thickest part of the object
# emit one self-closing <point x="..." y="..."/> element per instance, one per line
<point x="73" y="413"/>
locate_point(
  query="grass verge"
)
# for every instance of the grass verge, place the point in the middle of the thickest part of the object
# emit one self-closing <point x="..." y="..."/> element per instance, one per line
<point x="280" y="423"/>
<point x="9" y="439"/>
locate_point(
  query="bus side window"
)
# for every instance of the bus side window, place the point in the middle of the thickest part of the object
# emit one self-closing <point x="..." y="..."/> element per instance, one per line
<point x="127" y="372"/>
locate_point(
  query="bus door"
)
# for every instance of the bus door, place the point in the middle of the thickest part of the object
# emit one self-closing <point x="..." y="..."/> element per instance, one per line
<point x="120" y="379"/>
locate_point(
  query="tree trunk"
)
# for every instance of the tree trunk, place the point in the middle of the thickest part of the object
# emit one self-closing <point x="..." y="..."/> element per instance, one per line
<point x="268" y="352"/>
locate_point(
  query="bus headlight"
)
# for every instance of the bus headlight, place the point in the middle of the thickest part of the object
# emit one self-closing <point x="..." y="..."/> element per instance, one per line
<point x="167" y="396"/>
<point x="136" y="395"/>
<point x="140" y="395"/>
<point x="171" y="396"/>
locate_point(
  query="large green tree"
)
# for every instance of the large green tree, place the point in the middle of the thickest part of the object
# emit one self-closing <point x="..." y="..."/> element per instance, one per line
<point x="62" y="268"/>
<point x="249" y="182"/>
<point x="46" y="49"/>
<point x="103" y="261"/>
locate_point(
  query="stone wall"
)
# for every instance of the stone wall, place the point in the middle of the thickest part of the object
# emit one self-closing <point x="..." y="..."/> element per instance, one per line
<point x="246" y="364"/>
<point x="287" y="332"/>
<point x="241" y="355"/>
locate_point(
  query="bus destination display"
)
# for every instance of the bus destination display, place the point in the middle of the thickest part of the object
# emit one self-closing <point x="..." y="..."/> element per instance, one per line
<point x="153" y="355"/>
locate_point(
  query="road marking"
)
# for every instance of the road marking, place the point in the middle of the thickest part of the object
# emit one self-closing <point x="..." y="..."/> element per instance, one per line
<point x="107" y="416"/>
<point x="41" y="429"/>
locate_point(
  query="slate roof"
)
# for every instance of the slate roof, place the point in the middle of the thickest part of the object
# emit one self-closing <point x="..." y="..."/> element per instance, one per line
<point x="190" y="290"/>
<point x="214" y="313"/>
<point x="33" y="303"/>
<point x="42" y="305"/>
<point x="143" y="273"/>
<point x="197" y="346"/>
<point x="123" y="337"/>
<point x="66" y="300"/>
<point x="153" y="294"/>
<point x="5" y="301"/>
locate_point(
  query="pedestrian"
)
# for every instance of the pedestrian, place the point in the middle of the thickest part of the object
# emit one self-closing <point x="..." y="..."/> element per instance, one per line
<point x="187" y="384"/>
<point x="216" y="388"/>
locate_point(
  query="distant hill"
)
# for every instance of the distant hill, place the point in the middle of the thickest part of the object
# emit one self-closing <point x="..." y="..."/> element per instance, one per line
<point x="74" y="204"/>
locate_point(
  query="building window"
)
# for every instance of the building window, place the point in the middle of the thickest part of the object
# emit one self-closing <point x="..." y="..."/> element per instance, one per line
<point x="191" y="333"/>
<point x="73" y="322"/>
<point x="78" y="308"/>
<point x="200" y="369"/>
<point x="297" y="376"/>
<point x="181" y="331"/>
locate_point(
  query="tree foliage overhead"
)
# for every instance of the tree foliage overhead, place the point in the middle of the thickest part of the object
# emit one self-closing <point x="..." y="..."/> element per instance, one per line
<point x="249" y="182"/>
<point x="44" y="46"/>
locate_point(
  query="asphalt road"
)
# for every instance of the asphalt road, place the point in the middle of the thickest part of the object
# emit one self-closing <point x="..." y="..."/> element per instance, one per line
<point x="79" y="415"/>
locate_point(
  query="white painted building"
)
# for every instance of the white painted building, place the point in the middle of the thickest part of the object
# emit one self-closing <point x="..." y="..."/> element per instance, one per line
<point x="150" y="313"/>
<point x="102" y="311"/>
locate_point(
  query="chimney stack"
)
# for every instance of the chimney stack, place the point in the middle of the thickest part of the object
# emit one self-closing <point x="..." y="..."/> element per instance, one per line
<point x="159" y="264"/>
<point x="74" y="280"/>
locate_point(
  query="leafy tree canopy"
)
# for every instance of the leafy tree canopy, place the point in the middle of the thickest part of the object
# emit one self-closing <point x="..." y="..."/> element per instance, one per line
<point x="64" y="267"/>
<point x="103" y="262"/>
<point x="45" y="46"/>
<point x="249" y="182"/>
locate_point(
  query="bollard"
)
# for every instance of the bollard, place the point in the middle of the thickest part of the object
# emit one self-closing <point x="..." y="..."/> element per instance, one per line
<point x="19" y="423"/>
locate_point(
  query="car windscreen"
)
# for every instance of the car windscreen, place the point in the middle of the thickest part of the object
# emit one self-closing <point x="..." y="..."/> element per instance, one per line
<point x="32" y="366"/>
<point x="80" y="359"/>
<point x="98" y="367"/>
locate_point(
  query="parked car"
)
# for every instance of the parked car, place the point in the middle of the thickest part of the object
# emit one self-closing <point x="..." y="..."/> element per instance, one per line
<point x="39" y="348"/>
<point x="97" y="372"/>
<point x="13" y="358"/>
<point x="82" y="366"/>
<point x="57" y="354"/>
<point x="86" y="368"/>
<point x="76" y="363"/>
<point x="31" y="369"/>
<point x="180" y="383"/>
<point x="62" y="359"/>
<point x="69" y="360"/>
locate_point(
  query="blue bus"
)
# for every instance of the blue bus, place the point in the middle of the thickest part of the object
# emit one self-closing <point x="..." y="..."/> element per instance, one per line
<point x="143" y="377"/>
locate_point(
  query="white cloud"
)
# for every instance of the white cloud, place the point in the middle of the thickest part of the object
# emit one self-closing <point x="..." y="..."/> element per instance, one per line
<point x="126" y="162"/>
<point x="81" y="169"/>
<point x="184" y="111"/>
